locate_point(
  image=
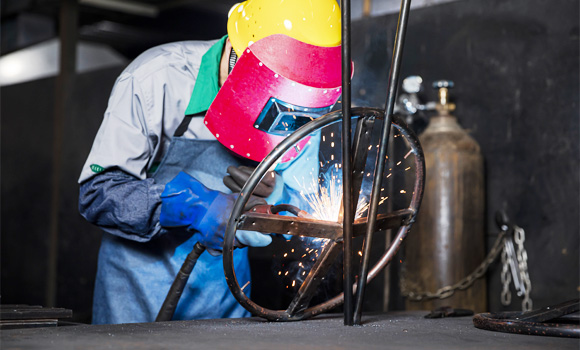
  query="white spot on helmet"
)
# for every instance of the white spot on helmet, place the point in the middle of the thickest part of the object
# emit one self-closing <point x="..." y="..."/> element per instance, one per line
<point x="241" y="8"/>
<point x="260" y="64"/>
<point x="232" y="9"/>
<point x="287" y="24"/>
<point x="276" y="75"/>
<point x="217" y="135"/>
<point x="247" y="154"/>
<point x="232" y="146"/>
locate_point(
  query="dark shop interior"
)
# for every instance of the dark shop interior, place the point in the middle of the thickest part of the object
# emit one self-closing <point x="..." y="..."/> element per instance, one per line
<point x="281" y="174"/>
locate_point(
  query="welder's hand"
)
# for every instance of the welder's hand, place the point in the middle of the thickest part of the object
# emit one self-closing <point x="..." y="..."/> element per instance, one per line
<point x="239" y="175"/>
<point x="186" y="202"/>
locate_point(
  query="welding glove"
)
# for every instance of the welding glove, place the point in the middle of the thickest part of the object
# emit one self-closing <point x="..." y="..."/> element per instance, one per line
<point x="186" y="202"/>
<point x="239" y="175"/>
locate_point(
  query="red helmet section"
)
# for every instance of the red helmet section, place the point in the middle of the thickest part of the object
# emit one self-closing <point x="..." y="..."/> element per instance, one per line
<point x="277" y="67"/>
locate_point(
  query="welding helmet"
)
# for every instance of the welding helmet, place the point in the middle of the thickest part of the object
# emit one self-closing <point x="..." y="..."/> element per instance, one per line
<point x="280" y="82"/>
<point x="313" y="22"/>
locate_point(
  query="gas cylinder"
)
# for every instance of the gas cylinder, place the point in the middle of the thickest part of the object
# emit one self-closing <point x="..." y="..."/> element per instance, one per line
<point x="446" y="243"/>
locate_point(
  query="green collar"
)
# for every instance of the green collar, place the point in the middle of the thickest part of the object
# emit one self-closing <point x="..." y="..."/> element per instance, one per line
<point x="207" y="83"/>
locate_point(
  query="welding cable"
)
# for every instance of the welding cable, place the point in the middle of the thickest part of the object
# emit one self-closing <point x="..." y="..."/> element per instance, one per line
<point x="276" y="209"/>
<point x="172" y="299"/>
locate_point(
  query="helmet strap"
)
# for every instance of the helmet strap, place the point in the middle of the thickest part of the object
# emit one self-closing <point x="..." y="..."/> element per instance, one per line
<point x="232" y="61"/>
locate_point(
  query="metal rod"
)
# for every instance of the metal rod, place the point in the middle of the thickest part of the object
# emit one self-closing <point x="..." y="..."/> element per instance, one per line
<point x="348" y="212"/>
<point x="308" y="288"/>
<point x="381" y="157"/>
<point x="172" y="299"/>
<point x="236" y="221"/>
<point x="296" y="226"/>
<point x="68" y="21"/>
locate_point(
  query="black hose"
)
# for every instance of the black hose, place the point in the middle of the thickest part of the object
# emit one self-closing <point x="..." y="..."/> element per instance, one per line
<point x="172" y="299"/>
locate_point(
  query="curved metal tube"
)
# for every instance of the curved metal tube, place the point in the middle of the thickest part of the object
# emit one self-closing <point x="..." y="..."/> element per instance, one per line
<point x="508" y="322"/>
<point x="253" y="180"/>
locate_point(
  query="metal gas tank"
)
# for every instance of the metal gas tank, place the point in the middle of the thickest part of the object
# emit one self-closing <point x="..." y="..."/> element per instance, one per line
<point x="447" y="240"/>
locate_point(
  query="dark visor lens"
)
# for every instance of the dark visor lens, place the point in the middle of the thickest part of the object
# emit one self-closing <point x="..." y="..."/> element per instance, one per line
<point x="282" y="118"/>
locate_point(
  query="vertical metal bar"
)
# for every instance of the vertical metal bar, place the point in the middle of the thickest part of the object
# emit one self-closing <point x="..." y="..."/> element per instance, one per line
<point x="389" y="237"/>
<point x="348" y="213"/>
<point x="63" y="92"/>
<point x="381" y="158"/>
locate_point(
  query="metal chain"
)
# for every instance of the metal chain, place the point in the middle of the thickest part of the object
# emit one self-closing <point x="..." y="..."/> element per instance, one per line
<point x="522" y="256"/>
<point x="464" y="283"/>
<point x="506" y="278"/>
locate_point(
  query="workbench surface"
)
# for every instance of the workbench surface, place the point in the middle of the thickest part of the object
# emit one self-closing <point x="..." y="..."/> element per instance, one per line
<point x="395" y="330"/>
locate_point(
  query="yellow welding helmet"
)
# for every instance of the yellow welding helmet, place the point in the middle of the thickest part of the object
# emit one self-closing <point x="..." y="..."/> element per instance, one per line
<point x="315" y="22"/>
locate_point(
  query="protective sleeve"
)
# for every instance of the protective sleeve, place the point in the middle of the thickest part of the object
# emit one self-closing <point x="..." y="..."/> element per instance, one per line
<point x="123" y="140"/>
<point x="122" y="205"/>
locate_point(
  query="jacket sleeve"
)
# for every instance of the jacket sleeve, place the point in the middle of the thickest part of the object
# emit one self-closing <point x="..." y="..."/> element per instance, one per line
<point x="122" y="205"/>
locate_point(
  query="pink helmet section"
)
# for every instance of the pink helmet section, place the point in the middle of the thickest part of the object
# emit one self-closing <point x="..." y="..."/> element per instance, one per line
<point x="278" y="67"/>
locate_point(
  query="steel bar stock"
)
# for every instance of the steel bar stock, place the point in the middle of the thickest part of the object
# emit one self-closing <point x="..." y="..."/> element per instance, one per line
<point x="381" y="157"/>
<point x="347" y="193"/>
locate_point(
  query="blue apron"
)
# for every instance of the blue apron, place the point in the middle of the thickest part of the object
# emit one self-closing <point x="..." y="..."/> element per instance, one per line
<point x="133" y="278"/>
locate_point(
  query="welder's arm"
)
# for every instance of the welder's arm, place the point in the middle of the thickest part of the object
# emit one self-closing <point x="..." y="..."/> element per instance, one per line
<point x="188" y="203"/>
<point x="122" y="204"/>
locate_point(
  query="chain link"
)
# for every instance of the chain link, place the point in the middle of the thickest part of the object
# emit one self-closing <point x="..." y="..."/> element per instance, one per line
<point x="463" y="284"/>
<point x="506" y="277"/>
<point x="522" y="256"/>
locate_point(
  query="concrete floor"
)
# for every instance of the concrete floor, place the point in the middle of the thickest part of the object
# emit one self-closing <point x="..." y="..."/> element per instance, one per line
<point x="404" y="330"/>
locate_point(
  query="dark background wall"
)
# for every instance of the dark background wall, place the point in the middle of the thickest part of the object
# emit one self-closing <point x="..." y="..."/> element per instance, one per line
<point x="515" y="65"/>
<point x="27" y="136"/>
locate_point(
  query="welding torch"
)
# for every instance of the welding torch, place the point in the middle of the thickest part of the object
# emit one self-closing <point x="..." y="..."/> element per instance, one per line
<point x="174" y="295"/>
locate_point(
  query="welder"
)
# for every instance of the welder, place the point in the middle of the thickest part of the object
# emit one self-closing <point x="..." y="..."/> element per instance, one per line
<point x="184" y="124"/>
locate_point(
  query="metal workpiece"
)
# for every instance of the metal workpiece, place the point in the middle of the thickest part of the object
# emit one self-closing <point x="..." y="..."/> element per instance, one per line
<point x="308" y="227"/>
<point x="560" y="320"/>
<point x="327" y="257"/>
<point x="267" y="219"/>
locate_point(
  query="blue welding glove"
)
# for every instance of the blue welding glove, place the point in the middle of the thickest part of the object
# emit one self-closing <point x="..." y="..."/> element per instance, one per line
<point x="186" y="202"/>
